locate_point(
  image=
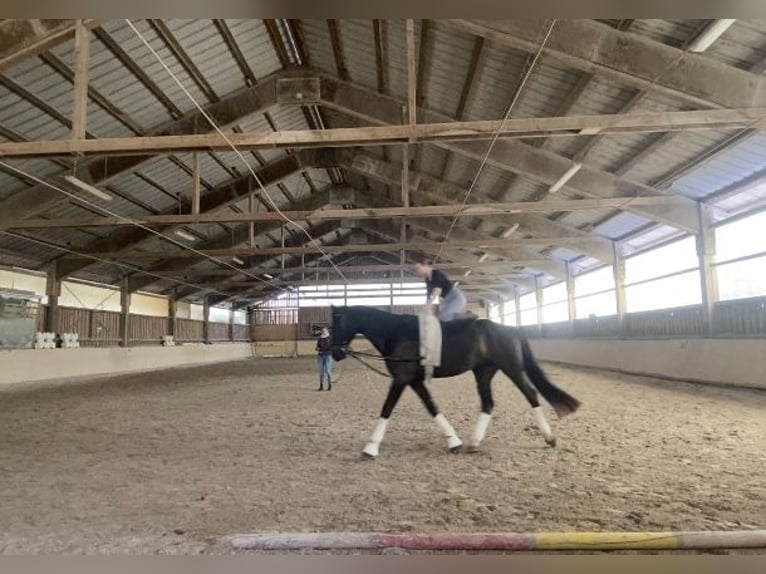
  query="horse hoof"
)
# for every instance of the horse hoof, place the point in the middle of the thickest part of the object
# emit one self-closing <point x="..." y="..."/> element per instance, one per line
<point x="456" y="449"/>
<point x="370" y="451"/>
<point x="551" y="442"/>
<point x="471" y="448"/>
<point x="368" y="456"/>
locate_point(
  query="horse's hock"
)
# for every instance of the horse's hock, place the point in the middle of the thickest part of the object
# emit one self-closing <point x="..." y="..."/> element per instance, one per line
<point x="172" y="460"/>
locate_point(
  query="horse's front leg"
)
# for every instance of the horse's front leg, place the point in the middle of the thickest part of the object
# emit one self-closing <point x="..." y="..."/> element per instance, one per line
<point x="454" y="443"/>
<point x="484" y="385"/>
<point x="394" y="393"/>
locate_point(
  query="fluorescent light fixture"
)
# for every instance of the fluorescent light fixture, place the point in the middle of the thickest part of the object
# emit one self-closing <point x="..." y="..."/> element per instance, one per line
<point x="467" y="273"/>
<point x="237" y="260"/>
<point x="711" y="34"/>
<point x="267" y="276"/>
<point x="510" y="231"/>
<point x="88" y="187"/>
<point x="483" y="258"/>
<point x="565" y="178"/>
<point x="457" y="283"/>
<point x="183" y="235"/>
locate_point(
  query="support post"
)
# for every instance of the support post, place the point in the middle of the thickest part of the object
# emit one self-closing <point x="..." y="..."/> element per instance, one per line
<point x="53" y="291"/>
<point x="571" y="303"/>
<point x="124" y="314"/>
<point x="251" y="208"/>
<point x="619" y="285"/>
<point x="206" y="323"/>
<point x="517" y="302"/>
<point x="539" y="301"/>
<point x="173" y="313"/>
<point x="196" y="189"/>
<point x="231" y="325"/>
<point x="706" y="255"/>
<point x="80" y="99"/>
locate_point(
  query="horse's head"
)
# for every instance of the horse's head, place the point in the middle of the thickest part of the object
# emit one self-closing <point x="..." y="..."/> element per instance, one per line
<point x="342" y="332"/>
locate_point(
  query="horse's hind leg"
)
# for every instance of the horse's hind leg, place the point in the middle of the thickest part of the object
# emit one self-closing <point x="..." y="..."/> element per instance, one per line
<point x="512" y="365"/>
<point x="483" y="376"/>
<point x="373" y="446"/>
<point x="453" y="442"/>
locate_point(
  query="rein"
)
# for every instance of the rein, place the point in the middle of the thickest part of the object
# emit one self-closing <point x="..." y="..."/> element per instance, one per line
<point x="358" y="354"/>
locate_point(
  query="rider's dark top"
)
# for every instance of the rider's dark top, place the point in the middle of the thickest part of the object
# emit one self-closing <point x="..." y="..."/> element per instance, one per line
<point x="438" y="279"/>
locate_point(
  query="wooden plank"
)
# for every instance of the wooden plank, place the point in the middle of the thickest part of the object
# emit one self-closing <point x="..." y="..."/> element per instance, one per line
<point x="21" y="39"/>
<point x="499" y="244"/>
<point x="518" y="128"/>
<point x="196" y="186"/>
<point x="80" y="97"/>
<point x="469" y="210"/>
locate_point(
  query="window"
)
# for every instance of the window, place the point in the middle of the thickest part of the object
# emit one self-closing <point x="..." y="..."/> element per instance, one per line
<point x="240" y="318"/>
<point x="218" y="315"/>
<point x="528" y="308"/>
<point x="509" y="313"/>
<point x="673" y="291"/>
<point x="595" y="293"/>
<point x="742" y="279"/>
<point x="743" y="238"/>
<point x="594" y="281"/>
<point x="664" y="277"/>
<point x="556" y="312"/>
<point x="373" y="294"/>
<point x="677" y="256"/>
<point x="740" y="238"/>
<point x="555" y="306"/>
<point x="493" y="312"/>
<point x="600" y="305"/>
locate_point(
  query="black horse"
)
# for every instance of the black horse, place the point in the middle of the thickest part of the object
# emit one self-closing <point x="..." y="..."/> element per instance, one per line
<point x="479" y="345"/>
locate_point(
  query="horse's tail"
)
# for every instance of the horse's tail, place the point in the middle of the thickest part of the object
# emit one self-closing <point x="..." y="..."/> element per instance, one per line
<point x="561" y="401"/>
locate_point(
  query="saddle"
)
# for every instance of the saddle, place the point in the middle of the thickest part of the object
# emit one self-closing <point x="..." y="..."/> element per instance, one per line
<point x="430" y="337"/>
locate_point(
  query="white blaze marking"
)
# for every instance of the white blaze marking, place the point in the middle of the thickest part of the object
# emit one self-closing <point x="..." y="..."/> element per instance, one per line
<point x="480" y="430"/>
<point x="542" y="423"/>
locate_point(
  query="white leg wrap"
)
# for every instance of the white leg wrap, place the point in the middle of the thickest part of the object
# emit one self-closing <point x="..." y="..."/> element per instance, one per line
<point x="372" y="447"/>
<point x="480" y="430"/>
<point x="542" y="423"/>
<point x="452" y="440"/>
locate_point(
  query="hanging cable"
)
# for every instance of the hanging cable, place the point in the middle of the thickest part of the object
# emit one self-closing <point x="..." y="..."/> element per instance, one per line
<point x="115" y="263"/>
<point x="130" y="221"/>
<point x="496" y="136"/>
<point x="215" y="126"/>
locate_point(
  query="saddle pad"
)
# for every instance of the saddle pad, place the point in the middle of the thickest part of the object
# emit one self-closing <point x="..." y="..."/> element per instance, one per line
<point x="430" y="331"/>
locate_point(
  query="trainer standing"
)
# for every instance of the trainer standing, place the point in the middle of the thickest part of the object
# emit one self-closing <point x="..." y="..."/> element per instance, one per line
<point x="452" y="302"/>
<point x="324" y="359"/>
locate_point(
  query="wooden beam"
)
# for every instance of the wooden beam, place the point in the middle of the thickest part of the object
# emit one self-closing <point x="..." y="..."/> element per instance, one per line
<point x="196" y="186"/>
<point x="327" y="214"/>
<point x="499" y="244"/>
<point x="96" y="171"/>
<point x="494" y="267"/>
<point x="276" y="41"/>
<point x="379" y="70"/>
<point x="23" y="39"/>
<point x="519" y="128"/>
<point x="473" y="66"/>
<point x="80" y="96"/>
<point x="629" y="59"/>
<point x="337" y="50"/>
<point x="508" y="155"/>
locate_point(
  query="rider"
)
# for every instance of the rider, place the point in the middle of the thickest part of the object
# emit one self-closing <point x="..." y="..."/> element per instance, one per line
<point x="452" y="301"/>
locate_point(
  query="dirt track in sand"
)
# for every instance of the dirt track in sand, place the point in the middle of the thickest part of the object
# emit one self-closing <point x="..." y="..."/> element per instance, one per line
<point x="170" y="461"/>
